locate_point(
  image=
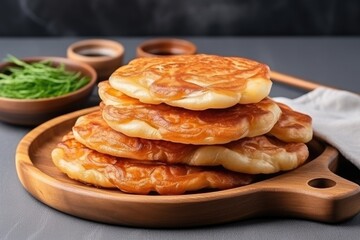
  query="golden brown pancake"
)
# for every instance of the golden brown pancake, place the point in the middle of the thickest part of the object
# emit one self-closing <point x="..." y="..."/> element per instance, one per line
<point x="292" y="126"/>
<point x="164" y="122"/>
<point x="132" y="176"/>
<point x="262" y="154"/>
<point x="92" y="131"/>
<point x="194" y="82"/>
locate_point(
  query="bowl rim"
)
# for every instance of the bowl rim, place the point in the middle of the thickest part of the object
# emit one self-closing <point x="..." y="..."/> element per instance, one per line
<point x="54" y="59"/>
<point x="73" y="49"/>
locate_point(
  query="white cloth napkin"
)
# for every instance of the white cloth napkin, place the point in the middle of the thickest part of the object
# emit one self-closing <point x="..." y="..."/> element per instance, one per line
<point x="336" y="118"/>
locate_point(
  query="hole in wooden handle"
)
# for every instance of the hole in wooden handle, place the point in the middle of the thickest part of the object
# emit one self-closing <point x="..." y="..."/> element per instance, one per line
<point x="321" y="183"/>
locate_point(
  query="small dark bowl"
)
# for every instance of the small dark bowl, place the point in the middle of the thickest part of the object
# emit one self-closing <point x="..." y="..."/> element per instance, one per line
<point x="165" y="47"/>
<point x="35" y="111"/>
<point x="105" y="56"/>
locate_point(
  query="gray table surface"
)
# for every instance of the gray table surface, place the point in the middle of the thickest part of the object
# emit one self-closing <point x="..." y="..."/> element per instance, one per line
<point x="328" y="61"/>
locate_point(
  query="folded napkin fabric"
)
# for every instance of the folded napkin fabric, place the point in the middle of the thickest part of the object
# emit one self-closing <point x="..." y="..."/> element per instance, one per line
<point x="336" y="118"/>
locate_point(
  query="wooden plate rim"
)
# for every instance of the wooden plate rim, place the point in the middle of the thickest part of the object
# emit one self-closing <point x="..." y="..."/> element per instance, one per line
<point x="23" y="160"/>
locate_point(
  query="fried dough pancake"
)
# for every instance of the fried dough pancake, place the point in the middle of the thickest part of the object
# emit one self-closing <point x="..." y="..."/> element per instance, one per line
<point x="131" y="176"/>
<point x="262" y="154"/>
<point x="164" y="122"/>
<point x="292" y="126"/>
<point x="92" y="131"/>
<point x="194" y="82"/>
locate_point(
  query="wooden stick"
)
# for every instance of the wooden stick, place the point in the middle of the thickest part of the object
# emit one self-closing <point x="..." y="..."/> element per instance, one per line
<point x="293" y="81"/>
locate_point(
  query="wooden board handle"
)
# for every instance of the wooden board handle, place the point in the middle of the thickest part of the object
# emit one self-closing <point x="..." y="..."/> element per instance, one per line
<point x="315" y="192"/>
<point x="294" y="81"/>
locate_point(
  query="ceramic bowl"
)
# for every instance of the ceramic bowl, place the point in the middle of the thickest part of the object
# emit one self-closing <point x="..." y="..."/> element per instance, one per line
<point x="165" y="47"/>
<point x="105" y="56"/>
<point x="36" y="111"/>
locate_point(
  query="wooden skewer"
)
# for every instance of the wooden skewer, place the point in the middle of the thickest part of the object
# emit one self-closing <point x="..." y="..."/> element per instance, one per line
<point x="293" y="81"/>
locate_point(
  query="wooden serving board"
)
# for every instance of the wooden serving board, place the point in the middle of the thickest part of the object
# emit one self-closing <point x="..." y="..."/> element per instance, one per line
<point x="312" y="191"/>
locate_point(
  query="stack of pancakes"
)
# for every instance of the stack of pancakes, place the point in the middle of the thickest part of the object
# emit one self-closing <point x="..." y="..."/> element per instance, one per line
<point x="183" y="123"/>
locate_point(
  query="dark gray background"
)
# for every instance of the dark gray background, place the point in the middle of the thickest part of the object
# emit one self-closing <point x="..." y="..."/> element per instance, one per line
<point x="183" y="17"/>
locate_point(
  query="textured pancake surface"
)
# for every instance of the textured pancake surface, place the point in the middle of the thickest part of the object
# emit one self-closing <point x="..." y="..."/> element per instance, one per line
<point x="292" y="126"/>
<point x="164" y="122"/>
<point x="195" y="82"/>
<point x="263" y="154"/>
<point x="132" y="176"/>
<point x="92" y="131"/>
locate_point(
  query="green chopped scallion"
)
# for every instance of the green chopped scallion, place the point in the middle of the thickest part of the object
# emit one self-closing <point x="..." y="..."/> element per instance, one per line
<point x="38" y="80"/>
